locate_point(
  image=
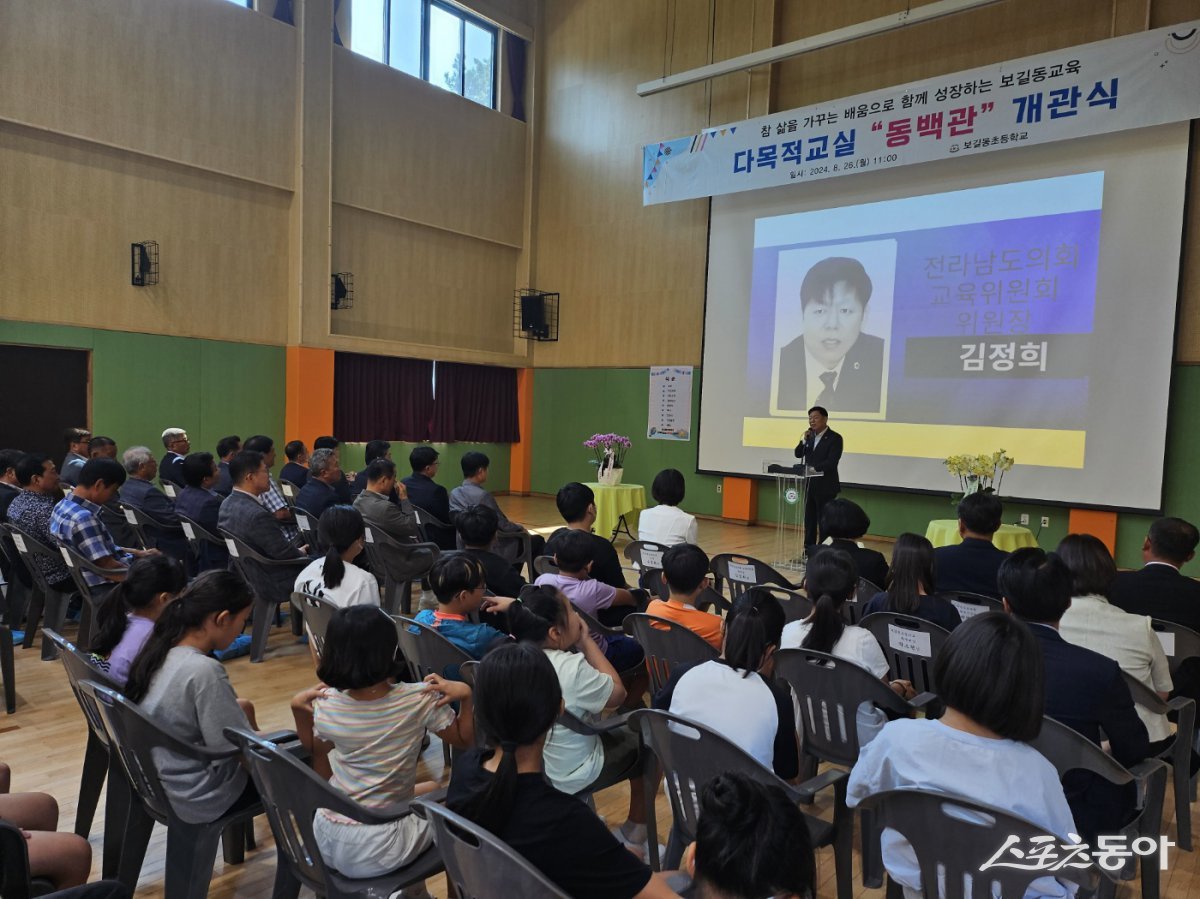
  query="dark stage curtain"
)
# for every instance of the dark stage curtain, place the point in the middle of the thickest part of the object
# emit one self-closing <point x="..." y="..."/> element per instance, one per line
<point x="382" y="397"/>
<point x="476" y="403"/>
<point x="514" y="64"/>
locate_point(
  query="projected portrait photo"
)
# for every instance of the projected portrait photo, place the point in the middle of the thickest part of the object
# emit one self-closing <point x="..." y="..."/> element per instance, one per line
<point x="833" y="318"/>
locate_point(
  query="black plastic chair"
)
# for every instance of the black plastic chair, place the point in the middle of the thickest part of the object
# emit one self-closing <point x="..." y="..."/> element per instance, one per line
<point x="644" y="554"/>
<point x="971" y="604"/>
<point x="524" y="539"/>
<point x="1179" y="753"/>
<point x="863" y="593"/>
<point x="651" y="580"/>
<point x="317" y="614"/>
<point x="954" y="837"/>
<point x="427" y="651"/>
<point x="289" y="492"/>
<point x="545" y="565"/>
<point x="191" y="848"/>
<point x="743" y="572"/>
<point x="99" y="764"/>
<point x="207" y="548"/>
<point x="77" y="565"/>
<point x="400" y="564"/>
<point x="169" y="489"/>
<point x="291" y="794"/>
<point x="666" y="644"/>
<point x="1179" y="643"/>
<point x="1068" y="750"/>
<point x="8" y="669"/>
<point x="691" y="755"/>
<point x="46" y="603"/>
<point x="141" y="524"/>
<point x="268" y="595"/>
<point x="480" y="865"/>
<point x="306" y="524"/>
<point x="796" y="606"/>
<point x="15" y="881"/>
<point x="909" y="644"/>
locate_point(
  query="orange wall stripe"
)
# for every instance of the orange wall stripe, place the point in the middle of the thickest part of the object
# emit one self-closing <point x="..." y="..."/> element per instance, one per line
<point x="1102" y="525"/>
<point x="520" y="472"/>
<point x="309" y="393"/>
<point x="739" y="499"/>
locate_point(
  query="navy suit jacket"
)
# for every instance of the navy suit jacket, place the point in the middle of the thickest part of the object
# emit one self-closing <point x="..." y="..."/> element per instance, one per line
<point x="858" y="386"/>
<point x="167" y="535"/>
<point x="824" y="459"/>
<point x="1159" y="591"/>
<point x="971" y="566"/>
<point x="170" y="468"/>
<point x="315" y="497"/>
<point x="224" y="485"/>
<point x="204" y="508"/>
<point x="431" y="496"/>
<point x="870" y="563"/>
<point x="295" y="473"/>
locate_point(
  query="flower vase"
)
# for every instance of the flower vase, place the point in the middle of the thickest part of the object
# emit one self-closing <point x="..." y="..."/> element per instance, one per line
<point x="610" y="477"/>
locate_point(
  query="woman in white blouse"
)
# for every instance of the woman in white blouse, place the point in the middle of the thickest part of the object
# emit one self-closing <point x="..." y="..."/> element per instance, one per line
<point x="334" y="576"/>
<point x="666" y="523"/>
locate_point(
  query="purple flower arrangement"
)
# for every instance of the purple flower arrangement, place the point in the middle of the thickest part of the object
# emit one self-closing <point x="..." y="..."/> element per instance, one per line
<point x="603" y="445"/>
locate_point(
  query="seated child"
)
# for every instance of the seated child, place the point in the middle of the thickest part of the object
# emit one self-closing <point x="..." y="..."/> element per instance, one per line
<point x="366" y="732"/>
<point x="685" y="569"/>
<point x="64" y="859"/>
<point x="458" y="582"/>
<point x="478" y="526"/>
<point x="127" y="614"/>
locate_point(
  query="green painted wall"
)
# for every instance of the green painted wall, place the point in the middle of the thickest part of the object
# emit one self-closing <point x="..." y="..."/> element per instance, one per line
<point x="143" y="383"/>
<point x="572" y="404"/>
<point x="353" y="458"/>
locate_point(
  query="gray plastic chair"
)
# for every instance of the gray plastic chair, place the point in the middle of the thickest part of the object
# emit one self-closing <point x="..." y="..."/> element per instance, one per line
<point x="954" y="837"/>
<point x="8" y="669"/>
<point x="1179" y="753"/>
<point x="317" y="614"/>
<point x="256" y="569"/>
<point x="99" y="764"/>
<point x="1183" y="642"/>
<point x="691" y="755"/>
<point x="972" y="604"/>
<point x="202" y="544"/>
<point x="306" y="524"/>
<point x="545" y="565"/>
<point x="644" y="554"/>
<point x="863" y="593"/>
<point x="796" y="606"/>
<point x="400" y="564"/>
<point x="743" y="572"/>
<point x="291" y="795"/>
<point x="289" y="491"/>
<point x="651" y="580"/>
<point x="666" y="644"/>
<point x="191" y="848"/>
<point x="524" y="539"/>
<point x="77" y="565"/>
<point x="480" y="865"/>
<point x="909" y="644"/>
<point x="45" y="603"/>
<point x="427" y="651"/>
<point x="1068" y="750"/>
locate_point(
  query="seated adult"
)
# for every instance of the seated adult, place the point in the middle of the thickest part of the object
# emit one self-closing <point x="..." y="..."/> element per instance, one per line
<point x="10" y="489"/>
<point x="226" y="447"/>
<point x="342" y="486"/>
<point x="686" y="572"/>
<point x="844" y="522"/>
<point x="1129" y="640"/>
<point x="477" y="526"/>
<point x="272" y="499"/>
<point x="737" y="695"/>
<point x="971" y="566"/>
<point x="318" y="492"/>
<point x="75" y="522"/>
<point x="1158" y="589"/>
<point x="77" y="454"/>
<point x="471" y="493"/>
<point x="375" y="449"/>
<point x="334" y="576"/>
<point x="139" y="492"/>
<point x="910" y="585"/>
<point x="1084" y="689"/>
<point x="577" y="505"/>
<point x="295" y="470"/>
<point x="32" y="511"/>
<point x="175" y="440"/>
<point x="425" y="493"/>
<point x="397" y="520"/>
<point x="111" y="512"/>
<point x="666" y="523"/>
<point x="199" y="502"/>
<point x="244" y="516"/>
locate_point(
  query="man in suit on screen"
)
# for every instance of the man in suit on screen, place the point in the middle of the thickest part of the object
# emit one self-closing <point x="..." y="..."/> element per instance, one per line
<point x="832" y="364"/>
<point x="821" y="449"/>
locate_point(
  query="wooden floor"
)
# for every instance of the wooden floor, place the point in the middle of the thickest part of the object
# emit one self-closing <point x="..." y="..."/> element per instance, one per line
<point x="43" y="742"/>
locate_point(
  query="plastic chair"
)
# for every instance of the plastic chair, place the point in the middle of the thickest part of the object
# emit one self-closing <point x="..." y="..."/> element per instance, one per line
<point x="1179" y="643"/>
<point x="202" y="542"/>
<point x="480" y="865"/>
<point x="45" y="602"/>
<point x="140" y="523"/>
<point x="16" y="594"/>
<point x="651" y="580"/>
<point x="644" y="554"/>
<point x="427" y="651"/>
<point x="525" y="555"/>
<point x="99" y="764"/>
<point x="426" y="521"/>
<point x="268" y="596"/>
<point x="666" y="644"/>
<point x="8" y="669"/>
<point x="971" y="604"/>
<point x="954" y="837"/>
<point x="909" y="644"/>
<point x="691" y="755"/>
<point x="307" y="527"/>
<point x="400" y="564"/>
<point x="169" y="489"/>
<point x="1068" y="750"/>
<point x="744" y="572"/>
<point x="291" y="795"/>
<point x="317" y="613"/>
<point x="1179" y="753"/>
<point x="191" y="848"/>
<point x="289" y="491"/>
<point x="863" y="593"/>
<point x="796" y="606"/>
<point x="545" y="565"/>
<point x="15" y="881"/>
<point x="77" y="565"/>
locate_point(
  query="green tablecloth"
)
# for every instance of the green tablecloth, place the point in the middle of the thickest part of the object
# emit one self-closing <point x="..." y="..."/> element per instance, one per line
<point x="613" y="502"/>
<point x="944" y="532"/>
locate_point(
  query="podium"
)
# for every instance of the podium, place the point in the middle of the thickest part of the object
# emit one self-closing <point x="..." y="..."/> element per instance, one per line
<point x="791" y="499"/>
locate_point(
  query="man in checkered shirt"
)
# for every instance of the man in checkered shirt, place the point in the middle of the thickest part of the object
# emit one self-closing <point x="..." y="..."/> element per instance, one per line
<point x="273" y="500"/>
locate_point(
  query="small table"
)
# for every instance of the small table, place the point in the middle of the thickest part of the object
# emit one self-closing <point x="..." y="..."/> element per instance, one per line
<point x="944" y="532"/>
<point x="614" y="504"/>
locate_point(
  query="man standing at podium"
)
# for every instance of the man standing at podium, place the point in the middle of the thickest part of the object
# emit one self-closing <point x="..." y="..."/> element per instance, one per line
<point x="820" y="449"/>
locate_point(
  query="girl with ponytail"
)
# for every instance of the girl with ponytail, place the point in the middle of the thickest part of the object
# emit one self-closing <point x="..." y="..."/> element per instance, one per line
<point x="176" y="681"/>
<point x="831" y="579"/>
<point x="737" y="695"/>
<point x="334" y="576"/>
<point x="127" y="615"/>
<point x="502" y="787"/>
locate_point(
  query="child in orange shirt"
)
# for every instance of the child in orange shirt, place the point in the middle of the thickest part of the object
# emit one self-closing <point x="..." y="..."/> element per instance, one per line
<point x="685" y="569"/>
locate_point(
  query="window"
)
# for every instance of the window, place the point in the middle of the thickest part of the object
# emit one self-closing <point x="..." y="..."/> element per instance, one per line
<point x="248" y="4"/>
<point x="430" y="39"/>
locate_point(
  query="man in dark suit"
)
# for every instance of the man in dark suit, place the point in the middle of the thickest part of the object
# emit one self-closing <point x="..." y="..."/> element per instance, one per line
<point x="971" y="566"/>
<point x="226" y="447"/>
<point x="111" y="512"/>
<point x="199" y="503"/>
<point x="1159" y="589"/>
<point x="844" y="522"/>
<point x="318" y="494"/>
<point x="141" y="494"/>
<point x="295" y="470"/>
<point x="425" y="493"/>
<point x="246" y="518"/>
<point x="820" y="448"/>
<point x="1084" y="690"/>
<point x="10" y="489"/>
<point x="77" y="454"/>
<point x="171" y="468"/>
<point x="375" y="449"/>
<point x="341" y="487"/>
<point x="832" y="364"/>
